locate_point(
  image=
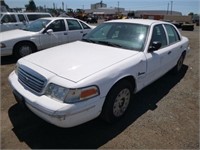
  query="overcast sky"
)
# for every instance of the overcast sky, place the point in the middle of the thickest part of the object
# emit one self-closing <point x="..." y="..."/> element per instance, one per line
<point x="184" y="6"/>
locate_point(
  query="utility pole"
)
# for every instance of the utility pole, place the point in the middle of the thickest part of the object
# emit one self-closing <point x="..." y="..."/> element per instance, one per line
<point x="54" y="6"/>
<point x="171" y="6"/>
<point x="167" y="8"/>
<point x="63" y="6"/>
<point x="118" y="6"/>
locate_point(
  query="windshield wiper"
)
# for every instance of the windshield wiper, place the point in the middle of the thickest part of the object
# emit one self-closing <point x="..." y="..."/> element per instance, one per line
<point x="88" y="40"/>
<point x="110" y="44"/>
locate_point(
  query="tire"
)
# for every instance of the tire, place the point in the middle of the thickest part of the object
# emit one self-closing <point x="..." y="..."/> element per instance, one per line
<point x="179" y="64"/>
<point x="117" y="101"/>
<point x="23" y="49"/>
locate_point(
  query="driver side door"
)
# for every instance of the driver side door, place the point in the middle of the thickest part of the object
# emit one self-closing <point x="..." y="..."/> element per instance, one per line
<point x="54" y="34"/>
<point x="157" y="59"/>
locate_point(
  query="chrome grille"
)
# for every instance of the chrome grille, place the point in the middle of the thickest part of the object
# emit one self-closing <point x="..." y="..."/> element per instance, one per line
<point x="31" y="79"/>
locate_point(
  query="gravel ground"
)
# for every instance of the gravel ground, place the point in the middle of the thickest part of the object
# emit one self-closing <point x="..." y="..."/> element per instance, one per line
<point x="164" y="115"/>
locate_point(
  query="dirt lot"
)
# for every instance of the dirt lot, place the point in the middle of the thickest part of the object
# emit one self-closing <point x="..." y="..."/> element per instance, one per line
<point x="163" y="115"/>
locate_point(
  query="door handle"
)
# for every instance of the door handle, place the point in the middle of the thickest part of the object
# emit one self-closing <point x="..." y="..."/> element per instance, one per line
<point x="169" y="52"/>
<point x="65" y="33"/>
<point x="81" y="31"/>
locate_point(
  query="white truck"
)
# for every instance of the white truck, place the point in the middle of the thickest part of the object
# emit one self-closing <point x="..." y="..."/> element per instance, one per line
<point x="14" y="20"/>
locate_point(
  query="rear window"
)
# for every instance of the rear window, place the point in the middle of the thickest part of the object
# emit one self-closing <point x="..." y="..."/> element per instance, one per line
<point x="33" y="17"/>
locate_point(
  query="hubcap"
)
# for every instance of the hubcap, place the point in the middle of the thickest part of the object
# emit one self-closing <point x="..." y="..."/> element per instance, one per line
<point x="121" y="102"/>
<point x="180" y="63"/>
<point x="25" y="50"/>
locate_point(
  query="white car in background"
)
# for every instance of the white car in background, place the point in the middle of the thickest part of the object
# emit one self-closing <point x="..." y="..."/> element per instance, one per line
<point x="73" y="83"/>
<point x="15" y="20"/>
<point x="41" y="34"/>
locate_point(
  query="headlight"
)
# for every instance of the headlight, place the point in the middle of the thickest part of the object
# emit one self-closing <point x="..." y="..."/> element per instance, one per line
<point x="70" y="95"/>
<point x="2" y="45"/>
<point x="16" y="68"/>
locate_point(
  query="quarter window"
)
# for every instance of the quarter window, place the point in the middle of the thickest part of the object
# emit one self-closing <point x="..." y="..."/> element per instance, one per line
<point x="172" y="34"/>
<point x="84" y="25"/>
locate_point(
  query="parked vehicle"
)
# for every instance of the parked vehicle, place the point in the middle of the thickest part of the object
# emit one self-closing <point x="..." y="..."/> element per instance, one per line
<point x="12" y="20"/>
<point x="73" y="83"/>
<point x="92" y="19"/>
<point x="42" y="33"/>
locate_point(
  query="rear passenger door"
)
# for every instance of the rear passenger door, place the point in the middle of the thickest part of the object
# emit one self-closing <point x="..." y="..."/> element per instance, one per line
<point x="174" y="45"/>
<point x="75" y="31"/>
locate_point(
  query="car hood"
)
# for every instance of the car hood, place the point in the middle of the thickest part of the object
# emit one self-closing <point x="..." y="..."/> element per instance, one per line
<point x="78" y="60"/>
<point x="15" y="34"/>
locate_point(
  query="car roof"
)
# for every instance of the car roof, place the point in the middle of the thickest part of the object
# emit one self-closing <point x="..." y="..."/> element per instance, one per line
<point x="54" y="18"/>
<point x="137" y="21"/>
<point x="24" y="13"/>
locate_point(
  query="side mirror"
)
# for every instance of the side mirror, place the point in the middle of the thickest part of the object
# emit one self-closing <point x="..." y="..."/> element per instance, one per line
<point x="49" y="31"/>
<point x="84" y="34"/>
<point x="155" y="46"/>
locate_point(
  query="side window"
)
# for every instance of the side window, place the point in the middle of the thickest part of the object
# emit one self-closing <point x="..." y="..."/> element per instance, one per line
<point x="84" y="25"/>
<point x="172" y="34"/>
<point x="57" y="26"/>
<point x="21" y="18"/>
<point x="73" y="25"/>
<point x="159" y="35"/>
<point x="44" y="15"/>
<point x="32" y="17"/>
<point x="8" y="19"/>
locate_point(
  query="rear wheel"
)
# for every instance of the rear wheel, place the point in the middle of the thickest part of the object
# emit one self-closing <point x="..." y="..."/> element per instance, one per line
<point x="179" y="64"/>
<point x="24" y="49"/>
<point x="117" y="101"/>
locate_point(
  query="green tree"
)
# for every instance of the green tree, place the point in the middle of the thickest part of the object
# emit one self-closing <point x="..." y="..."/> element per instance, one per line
<point x="31" y="6"/>
<point x="2" y="3"/>
<point x="191" y="14"/>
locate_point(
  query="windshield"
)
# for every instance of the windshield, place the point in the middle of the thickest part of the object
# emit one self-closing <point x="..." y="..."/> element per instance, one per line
<point x="37" y="25"/>
<point x="124" y="35"/>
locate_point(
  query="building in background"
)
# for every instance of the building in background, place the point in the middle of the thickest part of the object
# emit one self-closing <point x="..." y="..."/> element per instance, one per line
<point x="98" y="5"/>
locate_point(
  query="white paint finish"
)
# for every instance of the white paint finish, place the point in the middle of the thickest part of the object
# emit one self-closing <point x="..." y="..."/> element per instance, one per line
<point x="81" y="64"/>
<point x="40" y="39"/>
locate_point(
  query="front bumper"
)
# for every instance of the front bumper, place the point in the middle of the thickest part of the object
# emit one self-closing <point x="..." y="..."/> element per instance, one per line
<point x="6" y="51"/>
<point x="55" y="112"/>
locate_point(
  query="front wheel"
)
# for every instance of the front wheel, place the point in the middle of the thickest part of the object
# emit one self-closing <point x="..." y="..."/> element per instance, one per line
<point x="23" y="49"/>
<point x="117" y="101"/>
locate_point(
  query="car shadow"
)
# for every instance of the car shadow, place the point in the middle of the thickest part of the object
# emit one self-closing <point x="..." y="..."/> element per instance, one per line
<point x="6" y="60"/>
<point x="38" y="134"/>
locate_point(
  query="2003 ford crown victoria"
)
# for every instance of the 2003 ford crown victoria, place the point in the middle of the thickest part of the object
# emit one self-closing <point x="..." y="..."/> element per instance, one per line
<point x="42" y="33"/>
<point x="73" y="83"/>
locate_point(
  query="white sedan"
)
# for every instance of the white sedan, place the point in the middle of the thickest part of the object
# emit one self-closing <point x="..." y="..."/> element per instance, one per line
<point x="41" y="34"/>
<point x="73" y="83"/>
